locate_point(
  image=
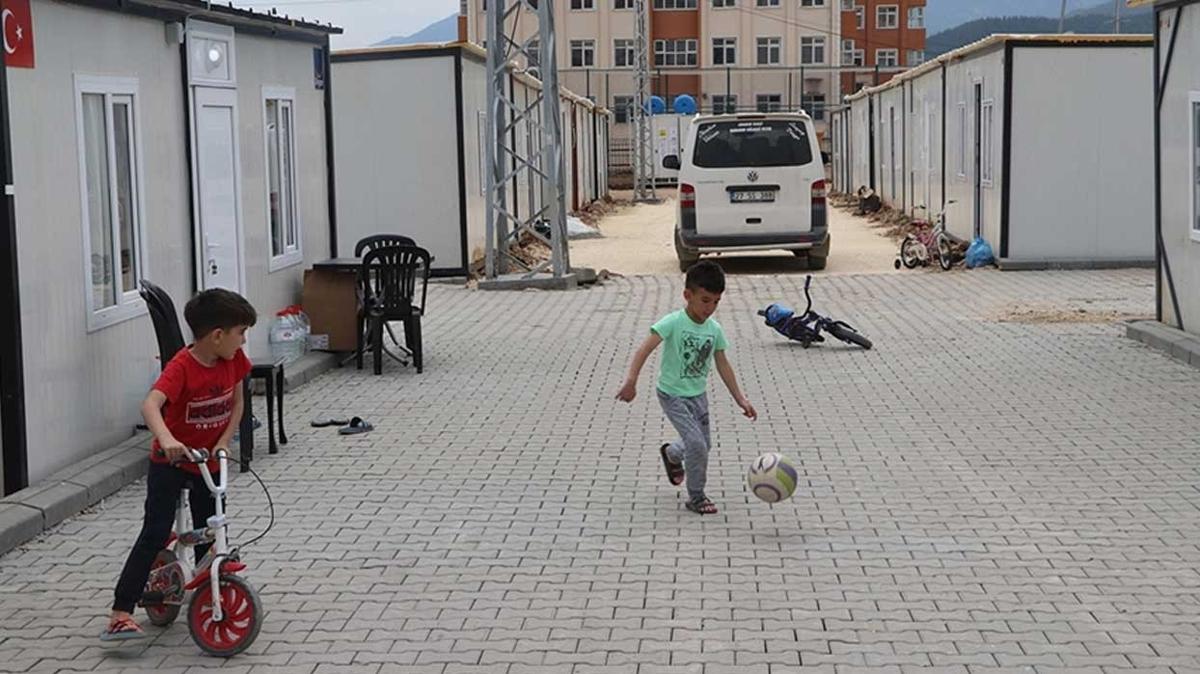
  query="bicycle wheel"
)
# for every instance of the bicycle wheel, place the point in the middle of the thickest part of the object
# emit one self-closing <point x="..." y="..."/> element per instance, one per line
<point x="242" y="617"/>
<point x="945" y="253"/>
<point x="910" y="252"/>
<point x="849" y="335"/>
<point x="169" y="583"/>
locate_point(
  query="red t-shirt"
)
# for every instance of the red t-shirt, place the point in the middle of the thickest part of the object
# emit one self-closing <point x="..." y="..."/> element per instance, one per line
<point x="199" y="403"/>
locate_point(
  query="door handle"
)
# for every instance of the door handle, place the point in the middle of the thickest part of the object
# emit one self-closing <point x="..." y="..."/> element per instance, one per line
<point x="212" y="266"/>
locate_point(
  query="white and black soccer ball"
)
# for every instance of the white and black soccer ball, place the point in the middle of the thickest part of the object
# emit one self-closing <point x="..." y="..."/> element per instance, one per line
<point x="772" y="477"/>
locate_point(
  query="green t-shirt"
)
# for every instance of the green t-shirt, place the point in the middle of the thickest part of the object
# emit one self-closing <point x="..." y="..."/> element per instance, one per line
<point x="688" y="349"/>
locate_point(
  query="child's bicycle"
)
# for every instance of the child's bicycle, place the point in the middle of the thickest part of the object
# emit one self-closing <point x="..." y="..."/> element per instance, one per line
<point x="224" y="614"/>
<point x="916" y="249"/>
<point x="807" y="327"/>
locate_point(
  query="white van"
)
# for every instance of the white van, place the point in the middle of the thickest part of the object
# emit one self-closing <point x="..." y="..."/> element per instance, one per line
<point x="751" y="182"/>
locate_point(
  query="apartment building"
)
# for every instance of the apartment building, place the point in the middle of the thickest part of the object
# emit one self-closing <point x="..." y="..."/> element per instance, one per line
<point x="727" y="54"/>
<point x="884" y="37"/>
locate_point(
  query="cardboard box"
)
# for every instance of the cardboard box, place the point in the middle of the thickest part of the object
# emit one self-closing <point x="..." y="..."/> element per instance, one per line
<point x="330" y="299"/>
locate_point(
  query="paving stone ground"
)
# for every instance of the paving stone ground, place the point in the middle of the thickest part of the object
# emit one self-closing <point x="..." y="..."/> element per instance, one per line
<point x="975" y="494"/>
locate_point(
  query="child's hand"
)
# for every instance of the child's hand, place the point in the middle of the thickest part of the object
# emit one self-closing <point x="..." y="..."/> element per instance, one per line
<point x="747" y="409"/>
<point x="628" y="391"/>
<point x="173" y="449"/>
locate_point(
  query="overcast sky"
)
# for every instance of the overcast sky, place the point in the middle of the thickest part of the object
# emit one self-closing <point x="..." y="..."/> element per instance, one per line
<point x="365" y="21"/>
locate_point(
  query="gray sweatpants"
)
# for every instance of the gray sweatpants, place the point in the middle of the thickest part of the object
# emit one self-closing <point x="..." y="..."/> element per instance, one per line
<point x="689" y="416"/>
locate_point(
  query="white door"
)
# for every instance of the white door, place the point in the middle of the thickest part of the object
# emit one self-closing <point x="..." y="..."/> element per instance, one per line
<point x="930" y="125"/>
<point x="218" y="183"/>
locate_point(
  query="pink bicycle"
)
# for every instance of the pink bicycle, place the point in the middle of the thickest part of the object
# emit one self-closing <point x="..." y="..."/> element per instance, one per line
<point x="224" y="613"/>
<point x="917" y="249"/>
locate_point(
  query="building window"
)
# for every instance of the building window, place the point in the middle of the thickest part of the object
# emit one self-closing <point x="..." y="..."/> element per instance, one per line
<point x="915" y="57"/>
<point x="674" y="4"/>
<point x="766" y="3"/>
<point x="768" y="102"/>
<point x="986" y="142"/>
<point x="887" y="58"/>
<point x="848" y="51"/>
<point x="622" y="4"/>
<point x="668" y="53"/>
<point x="533" y="55"/>
<point x="916" y="17"/>
<point x="812" y="3"/>
<point x="1195" y="166"/>
<point x="622" y="109"/>
<point x="887" y="17"/>
<point x="109" y="132"/>
<point x="962" y="140"/>
<point x="718" y="4"/>
<point x="583" y="53"/>
<point x="812" y="50"/>
<point x="859" y="57"/>
<point x="768" y="51"/>
<point x="623" y="54"/>
<point x="814" y="105"/>
<point x="583" y="4"/>
<point x="848" y="5"/>
<point x="724" y="51"/>
<point x="284" y="220"/>
<point x="724" y="104"/>
<point x="860" y="18"/>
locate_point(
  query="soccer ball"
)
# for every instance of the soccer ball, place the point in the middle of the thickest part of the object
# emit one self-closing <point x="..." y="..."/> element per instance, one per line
<point x="772" y="477"/>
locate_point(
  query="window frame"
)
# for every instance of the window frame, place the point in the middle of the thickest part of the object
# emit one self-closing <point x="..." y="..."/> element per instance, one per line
<point x="767" y="3"/>
<point x="963" y="136"/>
<point x="129" y="303"/>
<point x="778" y="46"/>
<point x="913" y="62"/>
<point x="818" y="115"/>
<point x="724" y="4"/>
<point x="623" y="109"/>
<point x="1194" y="161"/>
<point x="581" y="8"/>
<point x="987" y="127"/>
<point x="888" y="50"/>
<point x="894" y="10"/>
<point x="758" y="102"/>
<point x="293" y="255"/>
<point x="918" y="13"/>
<point x="818" y="42"/>
<point x="691" y="52"/>
<point x="812" y="4"/>
<point x="676" y="5"/>
<point x="726" y="99"/>
<point x="730" y="44"/>
<point x="629" y="50"/>
<point x="586" y="47"/>
<point x="848" y="5"/>
<point x="628" y="5"/>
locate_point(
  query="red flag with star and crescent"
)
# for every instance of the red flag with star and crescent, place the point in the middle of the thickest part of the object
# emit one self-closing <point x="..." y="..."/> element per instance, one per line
<point x="17" y="22"/>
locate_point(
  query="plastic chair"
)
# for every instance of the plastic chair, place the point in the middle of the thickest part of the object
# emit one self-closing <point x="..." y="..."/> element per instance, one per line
<point x="165" y="320"/>
<point x="388" y="279"/>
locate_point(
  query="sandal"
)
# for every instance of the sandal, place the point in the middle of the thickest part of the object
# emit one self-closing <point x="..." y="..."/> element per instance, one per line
<point x="675" y="470"/>
<point x="702" y="506"/>
<point x="356" y="426"/>
<point x="123" y="629"/>
<point x="331" y="421"/>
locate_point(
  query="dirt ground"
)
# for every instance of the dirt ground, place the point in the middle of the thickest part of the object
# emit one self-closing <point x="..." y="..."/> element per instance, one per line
<point x="638" y="240"/>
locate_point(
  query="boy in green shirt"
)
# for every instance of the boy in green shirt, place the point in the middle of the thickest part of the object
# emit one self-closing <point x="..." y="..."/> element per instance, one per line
<point x="693" y="341"/>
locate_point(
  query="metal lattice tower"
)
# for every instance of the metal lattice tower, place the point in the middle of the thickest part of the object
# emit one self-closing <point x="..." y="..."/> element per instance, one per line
<point x="643" y="135"/>
<point x="538" y="161"/>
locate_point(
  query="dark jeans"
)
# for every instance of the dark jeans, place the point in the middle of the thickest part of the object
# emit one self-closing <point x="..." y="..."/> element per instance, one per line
<point x="163" y="484"/>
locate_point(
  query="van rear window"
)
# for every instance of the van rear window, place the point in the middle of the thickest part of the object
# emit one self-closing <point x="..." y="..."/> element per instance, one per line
<point x="760" y="143"/>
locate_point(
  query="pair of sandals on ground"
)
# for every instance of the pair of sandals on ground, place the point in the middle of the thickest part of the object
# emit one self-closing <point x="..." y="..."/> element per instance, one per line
<point x="352" y="426"/>
<point x="676" y="474"/>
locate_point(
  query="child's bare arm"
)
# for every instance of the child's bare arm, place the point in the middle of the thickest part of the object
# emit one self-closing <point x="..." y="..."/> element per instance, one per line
<point x="725" y="369"/>
<point x="152" y="413"/>
<point x="234" y="420"/>
<point x="629" y="389"/>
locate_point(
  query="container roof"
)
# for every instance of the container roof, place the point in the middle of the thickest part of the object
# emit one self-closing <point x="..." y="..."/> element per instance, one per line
<point x="998" y="40"/>
<point x="226" y="13"/>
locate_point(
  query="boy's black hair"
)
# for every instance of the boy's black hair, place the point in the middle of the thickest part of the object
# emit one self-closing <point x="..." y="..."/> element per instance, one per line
<point x="218" y="309"/>
<point x="706" y="275"/>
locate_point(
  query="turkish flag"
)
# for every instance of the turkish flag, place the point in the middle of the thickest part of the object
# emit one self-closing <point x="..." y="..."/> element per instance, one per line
<point x="17" y="22"/>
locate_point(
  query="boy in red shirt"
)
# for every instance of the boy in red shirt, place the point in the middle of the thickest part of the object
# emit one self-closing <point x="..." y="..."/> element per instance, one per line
<point x="194" y="404"/>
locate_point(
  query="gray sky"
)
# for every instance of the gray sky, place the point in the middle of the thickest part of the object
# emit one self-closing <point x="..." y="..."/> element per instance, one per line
<point x="365" y="21"/>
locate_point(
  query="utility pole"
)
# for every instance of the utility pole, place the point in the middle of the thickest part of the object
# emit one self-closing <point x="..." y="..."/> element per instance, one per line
<point x="643" y="135"/>
<point x="540" y="162"/>
<point x="1062" y="17"/>
<point x="1117" y="20"/>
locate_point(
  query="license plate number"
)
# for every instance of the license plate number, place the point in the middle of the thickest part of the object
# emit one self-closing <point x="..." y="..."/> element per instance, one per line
<point x="752" y="196"/>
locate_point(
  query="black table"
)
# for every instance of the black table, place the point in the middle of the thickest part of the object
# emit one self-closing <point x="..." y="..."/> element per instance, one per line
<point x="270" y="370"/>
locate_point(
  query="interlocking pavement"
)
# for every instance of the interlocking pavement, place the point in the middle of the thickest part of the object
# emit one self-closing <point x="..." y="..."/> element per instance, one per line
<point x="976" y="493"/>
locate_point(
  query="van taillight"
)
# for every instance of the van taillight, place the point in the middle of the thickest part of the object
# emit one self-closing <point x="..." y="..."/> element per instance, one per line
<point x="818" y="192"/>
<point x="687" y="196"/>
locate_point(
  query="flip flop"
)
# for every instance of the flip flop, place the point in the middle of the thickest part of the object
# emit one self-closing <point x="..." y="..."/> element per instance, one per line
<point x="330" y="421"/>
<point x="702" y="506"/>
<point x="125" y="629"/>
<point x="356" y="426"/>
<point x="675" y="472"/>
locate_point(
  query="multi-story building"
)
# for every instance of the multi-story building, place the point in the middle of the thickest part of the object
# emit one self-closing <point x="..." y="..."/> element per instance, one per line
<point x="727" y="54"/>
<point x="883" y="37"/>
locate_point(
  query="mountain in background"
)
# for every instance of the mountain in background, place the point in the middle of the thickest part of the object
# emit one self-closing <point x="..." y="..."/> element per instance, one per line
<point x="943" y="15"/>
<point x="1093" y="19"/>
<point x="445" y="30"/>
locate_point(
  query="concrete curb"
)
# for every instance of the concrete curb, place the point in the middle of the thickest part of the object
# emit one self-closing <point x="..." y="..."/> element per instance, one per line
<point x="1057" y="265"/>
<point x="36" y="509"/>
<point x="1182" y="346"/>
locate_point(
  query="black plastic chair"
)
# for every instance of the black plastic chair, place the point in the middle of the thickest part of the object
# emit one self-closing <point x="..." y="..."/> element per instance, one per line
<point x="388" y="280"/>
<point x="165" y="320"/>
<point x="380" y="240"/>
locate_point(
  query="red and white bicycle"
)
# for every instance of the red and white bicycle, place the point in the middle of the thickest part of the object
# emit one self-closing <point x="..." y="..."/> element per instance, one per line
<point x="224" y="613"/>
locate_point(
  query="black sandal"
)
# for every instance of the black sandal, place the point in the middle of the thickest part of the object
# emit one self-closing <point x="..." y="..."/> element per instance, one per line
<point x="702" y="506"/>
<point x="675" y="471"/>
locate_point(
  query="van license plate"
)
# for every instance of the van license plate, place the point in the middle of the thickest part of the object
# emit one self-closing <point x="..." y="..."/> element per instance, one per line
<point x="752" y="196"/>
